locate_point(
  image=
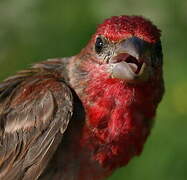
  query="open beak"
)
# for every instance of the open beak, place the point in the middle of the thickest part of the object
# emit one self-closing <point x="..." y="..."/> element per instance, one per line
<point x="131" y="60"/>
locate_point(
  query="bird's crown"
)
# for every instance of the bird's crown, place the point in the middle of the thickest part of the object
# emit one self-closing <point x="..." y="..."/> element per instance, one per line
<point x="117" y="28"/>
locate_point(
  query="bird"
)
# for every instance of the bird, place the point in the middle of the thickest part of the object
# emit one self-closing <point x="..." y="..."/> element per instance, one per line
<point x="84" y="116"/>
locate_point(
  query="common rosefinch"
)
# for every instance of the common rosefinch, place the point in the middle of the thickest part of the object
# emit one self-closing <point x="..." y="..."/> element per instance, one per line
<point x="80" y="118"/>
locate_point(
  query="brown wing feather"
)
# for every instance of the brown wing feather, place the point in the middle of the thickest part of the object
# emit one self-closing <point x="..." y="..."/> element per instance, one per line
<point x="35" y="109"/>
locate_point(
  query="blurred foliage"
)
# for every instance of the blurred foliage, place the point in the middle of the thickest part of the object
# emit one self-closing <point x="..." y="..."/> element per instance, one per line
<point x="33" y="30"/>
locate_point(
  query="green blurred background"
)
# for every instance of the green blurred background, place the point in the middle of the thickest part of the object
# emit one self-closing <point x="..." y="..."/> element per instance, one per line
<point x="33" y="30"/>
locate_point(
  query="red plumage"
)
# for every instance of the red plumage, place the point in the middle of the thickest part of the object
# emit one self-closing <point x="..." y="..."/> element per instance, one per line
<point x="117" y="112"/>
<point x="84" y="116"/>
<point x="117" y="28"/>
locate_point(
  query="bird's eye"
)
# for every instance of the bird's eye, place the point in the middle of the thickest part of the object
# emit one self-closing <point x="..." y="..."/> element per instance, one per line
<point x="99" y="45"/>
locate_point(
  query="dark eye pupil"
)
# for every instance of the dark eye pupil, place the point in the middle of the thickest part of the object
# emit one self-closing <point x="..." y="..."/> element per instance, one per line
<point x="99" y="45"/>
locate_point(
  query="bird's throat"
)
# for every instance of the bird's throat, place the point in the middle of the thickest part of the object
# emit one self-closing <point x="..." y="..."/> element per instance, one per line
<point x="118" y="120"/>
<point x="118" y="115"/>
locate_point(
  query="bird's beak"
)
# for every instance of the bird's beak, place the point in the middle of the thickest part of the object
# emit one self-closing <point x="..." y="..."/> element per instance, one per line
<point x="131" y="60"/>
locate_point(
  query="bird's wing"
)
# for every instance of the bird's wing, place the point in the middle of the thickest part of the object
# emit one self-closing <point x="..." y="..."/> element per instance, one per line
<point x="35" y="109"/>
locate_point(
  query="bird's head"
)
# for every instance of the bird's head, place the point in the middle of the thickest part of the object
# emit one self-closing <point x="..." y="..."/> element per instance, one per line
<point x="126" y="47"/>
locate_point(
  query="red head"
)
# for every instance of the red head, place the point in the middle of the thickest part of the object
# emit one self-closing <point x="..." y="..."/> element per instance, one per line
<point x="127" y="47"/>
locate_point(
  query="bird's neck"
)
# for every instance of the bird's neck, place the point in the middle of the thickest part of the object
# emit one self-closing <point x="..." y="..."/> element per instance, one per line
<point x="118" y="120"/>
<point x="118" y="116"/>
